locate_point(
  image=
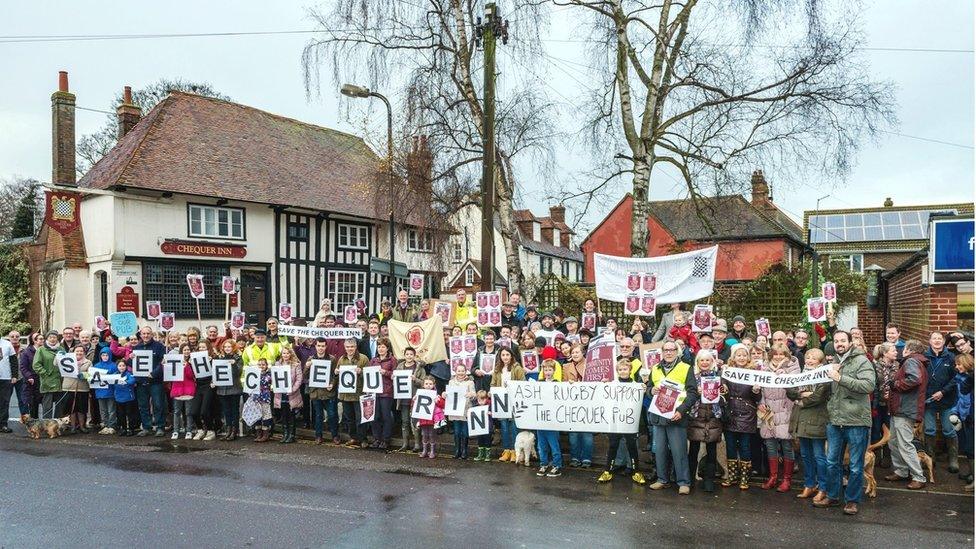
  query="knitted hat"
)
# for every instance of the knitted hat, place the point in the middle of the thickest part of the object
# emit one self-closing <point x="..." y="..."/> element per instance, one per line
<point x="738" y="318"/>
<point x="549" y="352"/>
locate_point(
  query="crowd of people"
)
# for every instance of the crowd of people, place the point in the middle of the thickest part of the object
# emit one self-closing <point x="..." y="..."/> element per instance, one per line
<point x="893" y="399"/>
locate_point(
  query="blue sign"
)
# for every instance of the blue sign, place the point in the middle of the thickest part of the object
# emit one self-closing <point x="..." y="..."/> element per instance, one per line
<point x="124" y="324"/>
<point x="952" y="245"/>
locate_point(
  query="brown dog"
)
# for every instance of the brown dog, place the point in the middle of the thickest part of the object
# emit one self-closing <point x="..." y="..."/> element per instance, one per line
<point x="925" y="460"/>
<point x="36" y="427"/>
<point x="870" y="482"/>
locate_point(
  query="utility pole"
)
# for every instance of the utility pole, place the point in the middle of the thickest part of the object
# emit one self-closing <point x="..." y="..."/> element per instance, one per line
<point x="492" y="28"/>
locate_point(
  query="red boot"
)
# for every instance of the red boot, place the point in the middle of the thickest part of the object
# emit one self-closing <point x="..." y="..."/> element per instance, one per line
<point x="773" y="471"/>
<point x="787" y="476"/>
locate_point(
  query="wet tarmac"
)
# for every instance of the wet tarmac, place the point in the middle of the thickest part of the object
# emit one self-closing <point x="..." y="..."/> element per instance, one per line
<point x="97" y="491"/>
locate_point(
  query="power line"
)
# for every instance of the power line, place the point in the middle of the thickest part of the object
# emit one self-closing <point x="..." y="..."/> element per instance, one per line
<point x="930" y="140"/>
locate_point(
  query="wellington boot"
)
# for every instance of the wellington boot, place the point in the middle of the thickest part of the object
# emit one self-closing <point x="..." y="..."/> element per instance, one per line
<point x="745" y="468"/>
<point x="773" y="473"/>
<point x="787" y="476"/>
<point x="733" y="473"/>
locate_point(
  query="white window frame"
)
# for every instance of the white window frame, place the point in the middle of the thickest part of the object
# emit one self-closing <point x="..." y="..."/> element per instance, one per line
<point x="469" y="276"/>
<point x="198" y="214"/>
<point x="341" y="297"/>
<point x="418" y="241"/>
<point x="555" y="237"/>
<point x="352" y="237"/>
<point x="854" y="262"/>
<point x="457" y="253"/>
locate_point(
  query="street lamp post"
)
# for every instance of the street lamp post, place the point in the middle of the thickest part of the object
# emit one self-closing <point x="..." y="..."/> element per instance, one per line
<point x="352" y="90"/>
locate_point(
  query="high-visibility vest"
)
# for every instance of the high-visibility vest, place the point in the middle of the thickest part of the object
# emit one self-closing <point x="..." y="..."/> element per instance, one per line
<point x="678" y="374"/>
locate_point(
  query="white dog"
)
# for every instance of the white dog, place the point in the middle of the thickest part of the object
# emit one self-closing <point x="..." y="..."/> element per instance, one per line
<point x="525" y="447"/>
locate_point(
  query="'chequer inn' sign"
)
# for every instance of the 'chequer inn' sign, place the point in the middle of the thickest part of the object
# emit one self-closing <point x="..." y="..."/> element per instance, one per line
<point x="182" y="247"/>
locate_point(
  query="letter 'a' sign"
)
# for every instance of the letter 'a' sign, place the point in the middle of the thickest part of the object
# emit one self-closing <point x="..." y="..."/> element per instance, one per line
<point x="423" y="404"/>
<point x="319" y="373"/>
<point x="142" y="363"/>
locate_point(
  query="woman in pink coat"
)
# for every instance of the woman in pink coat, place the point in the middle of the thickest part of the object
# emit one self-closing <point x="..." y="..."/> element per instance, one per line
<point x="774" y="413"/>
<point x="292" y="402"/>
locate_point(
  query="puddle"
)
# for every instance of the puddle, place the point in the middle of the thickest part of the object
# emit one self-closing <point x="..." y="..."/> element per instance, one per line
<point x="157" y="467"/>
<point x="171" y="448"/>
<point x="29" y="451"/>
<point x="411" y="473"/>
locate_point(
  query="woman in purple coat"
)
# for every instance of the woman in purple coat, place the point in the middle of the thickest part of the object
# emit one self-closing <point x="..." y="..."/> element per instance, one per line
<point x="31" y="392"/>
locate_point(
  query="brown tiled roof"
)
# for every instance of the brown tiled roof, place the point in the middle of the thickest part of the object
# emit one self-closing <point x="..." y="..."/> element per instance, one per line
<point x="524" y="215"/>
<point x="545" y="222"/>
<point x="730" y="217"/>
<point x="197" y="145"/>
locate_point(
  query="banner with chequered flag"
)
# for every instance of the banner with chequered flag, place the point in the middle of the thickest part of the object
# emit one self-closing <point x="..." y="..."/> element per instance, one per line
<point x="679" y="278"/>
<point x="62" y="211"/>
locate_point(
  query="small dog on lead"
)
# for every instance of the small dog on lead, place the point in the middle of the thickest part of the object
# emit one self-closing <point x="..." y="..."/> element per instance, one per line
<point x="36" y="427"/>
<point x="525" y="447"/>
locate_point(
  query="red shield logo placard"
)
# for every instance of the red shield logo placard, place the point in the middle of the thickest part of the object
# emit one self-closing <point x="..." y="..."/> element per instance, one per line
<point x="633" y="282"/>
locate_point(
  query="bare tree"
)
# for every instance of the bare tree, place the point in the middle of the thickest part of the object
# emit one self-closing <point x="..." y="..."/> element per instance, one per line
<point x="432" y="45"/>
<point x="21" y="206"/>
<point x="715" y="88"/>
<point x="92" y="147"/>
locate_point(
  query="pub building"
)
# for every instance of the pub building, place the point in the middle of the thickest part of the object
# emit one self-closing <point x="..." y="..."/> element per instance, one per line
<point x="204" y="186"/>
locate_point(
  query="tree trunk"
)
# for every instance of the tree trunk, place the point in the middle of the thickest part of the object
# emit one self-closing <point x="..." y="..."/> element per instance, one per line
<point x="506" y="215"/>
<point x="638" y="221"/>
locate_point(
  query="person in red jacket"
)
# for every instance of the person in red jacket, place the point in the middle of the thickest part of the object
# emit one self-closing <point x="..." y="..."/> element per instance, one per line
<point x="682" y="330"/>
<point x="182" y="393"/>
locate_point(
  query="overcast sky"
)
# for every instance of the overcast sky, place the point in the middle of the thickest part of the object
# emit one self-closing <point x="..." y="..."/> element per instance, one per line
<point x="934" y="90"/>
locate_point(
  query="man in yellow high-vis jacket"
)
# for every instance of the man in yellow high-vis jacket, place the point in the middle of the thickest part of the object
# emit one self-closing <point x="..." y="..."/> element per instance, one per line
<point x="671" y="435"/>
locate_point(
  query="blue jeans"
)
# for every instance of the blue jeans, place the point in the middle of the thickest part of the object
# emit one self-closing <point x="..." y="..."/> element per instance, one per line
<point x="737" y="446"/>
<point x="581" y="446"/>
<point x="330" y="408"/>
<point x="549" y="452"/>
<point x="837" y="439"/>
<point x="508" y="431"/>
<point x="948" y="431"/>
<point x="22" y="404"/>
<point x="460" y="437"/>
<point x="146" y="393"/>
<point x="672" y="440"/>
<point x="814" y="462"/>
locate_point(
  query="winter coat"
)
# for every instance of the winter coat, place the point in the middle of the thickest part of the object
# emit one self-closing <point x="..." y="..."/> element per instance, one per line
<point x="908" y="387"/>
<point x="386" y="374"/>
<point x="270" y="352"/>
<point x="684" y="333"/>
<point x="809" y="417"/>
<point x="417" y="380"/>
<point x="120" y="351"/>
<point x="850" y="398"/>
<point x="942" y="377"/>
<point x="27" y="364"/>
<point x="778" y="403"/>
<point x="359" y="360"/>
<point x="406" y="314"/>
<point x="667" y="321"/>
<point x="658" y="375"/>
<point x="438" y="413"/>
<point x="236" y="370"/>
<point x="187" y="387"/>
<point x="77" y="384"/>
<point x="295" y="396"/>
<point x="497" y="380"/>
<point x="705" y="420"/>
<point x="125" y="392"/>
<point x="741" y="407"/>
<point x="108" y="391"/>
<point x="46" y="368"/>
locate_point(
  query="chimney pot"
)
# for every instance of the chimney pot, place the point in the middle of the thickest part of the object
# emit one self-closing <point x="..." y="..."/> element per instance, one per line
<point x="127" y="95"/>
<point x="888" y="202"/>
<point x="63" y="81"/>
<point x="761" y="196"/>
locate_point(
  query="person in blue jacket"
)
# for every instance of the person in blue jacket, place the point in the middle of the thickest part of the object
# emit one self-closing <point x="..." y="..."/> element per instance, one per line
<point x="941" y="394"/>
<point x="124" y="392"/>
<point x="149" y="390"/>
<point x="105" y="395"/>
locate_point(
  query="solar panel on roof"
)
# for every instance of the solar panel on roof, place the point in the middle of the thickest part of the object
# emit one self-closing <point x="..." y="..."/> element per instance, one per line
<point x="871" y="226"/>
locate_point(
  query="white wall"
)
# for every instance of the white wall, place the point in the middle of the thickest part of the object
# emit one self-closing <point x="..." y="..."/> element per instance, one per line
<point x="467" y="220"/>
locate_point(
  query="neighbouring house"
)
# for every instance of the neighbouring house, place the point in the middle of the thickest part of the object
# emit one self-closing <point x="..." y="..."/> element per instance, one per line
<point x="294" y="211"/>
<point x="751" y="235"/>
<point x="892" y="244"/>
<point x="545" y="246"/>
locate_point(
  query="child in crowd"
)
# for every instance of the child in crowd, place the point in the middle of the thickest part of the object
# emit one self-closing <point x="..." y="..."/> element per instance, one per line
<point x="742" y="401"/>
<point x="507" y="369"/>
<point x="290" y="403"/>
<point x="127" y="410"/>
<point x="623" y="369"/>
<point x="105" y="396"/>
<point x="427" y="437"/>
<point x="682" y="331"/>
<point x="182" y="393"/>
<point x="460" y="423"/>
<point x="774" y="413"/>
<point x="262" y="430"/>
<point x="484" y="441"/>
<point x="550" y="456"/>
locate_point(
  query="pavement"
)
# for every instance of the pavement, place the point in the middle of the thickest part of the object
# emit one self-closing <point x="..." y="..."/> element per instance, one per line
<point x="107" y="491"/>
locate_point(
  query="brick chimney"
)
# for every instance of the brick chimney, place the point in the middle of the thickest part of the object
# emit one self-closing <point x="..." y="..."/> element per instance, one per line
<point x="420" y="168"/>
<point x="63" y="133"/>
<point x="761" y="197"/>
<point x="558" y="213"/>
<point x="128" y="113"/>
<point x="888" y="203"/>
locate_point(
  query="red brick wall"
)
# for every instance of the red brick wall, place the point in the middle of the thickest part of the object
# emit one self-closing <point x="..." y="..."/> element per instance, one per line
<point x="918" y="311"/>
<point x="871" y="322"/>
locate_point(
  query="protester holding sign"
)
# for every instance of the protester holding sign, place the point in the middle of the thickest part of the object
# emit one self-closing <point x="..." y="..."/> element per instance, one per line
<point x="383" y="422"/>
<point x="808" y="423"/>
<point x="149" y="390"/>
<point x="622" y="368"/>
<point x="48" y="373"/>
<point x="427" y="437"/>
<point x="124" y="394"/>
<point x="105" y="394"/>
<point x="671" y="435"/>
<point x="182" y="393"/>
<point x="774" y="419"/>
<point x="351" y="414"/>
<point x="743" y="401"/>
<point x="460" y="421"/>
<point x="705" y="419"/>
<point x="230" y="395"/>
<point x="507" y="368"/>
<point x="290" y="403"/>
<point x="261" y="400"/>
<point x="410" y="363"/>
<point x="203" y="400"/>
<point x="76" y="392"/>
<point x="550" y="455"/>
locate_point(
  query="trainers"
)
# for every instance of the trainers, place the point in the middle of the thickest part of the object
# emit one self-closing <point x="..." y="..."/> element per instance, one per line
<point x="200" y="433"/>
<point x="606" y="476"/>
<point x="574" y="463"/>
<point x="210" y="435"/>
<point x="160" y="433"/>
<point x="189" y="435"/>
<point x="658" y="485"/>
<point x="542" y="471"/>
<point x="142" y="433"/>
<point x="175" y="435"/>
<point x="638" y="478"/>
<point x="850" y="508"/>
<point x="109" y="431"/>
<point x="586" y="464"/>
<point x="684" y="490"/>
<point x="554" y="472"/>
<point x="103" y="431"/>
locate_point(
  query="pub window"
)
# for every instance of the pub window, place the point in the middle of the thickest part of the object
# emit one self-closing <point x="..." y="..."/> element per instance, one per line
<point x="353" y="236"/>
<point x="298" y="232"/>
<point x="215" y="222"/>
<point x="166" y="282"/>
<point x="418" y="241"/>
<point x="345" y="287"/>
